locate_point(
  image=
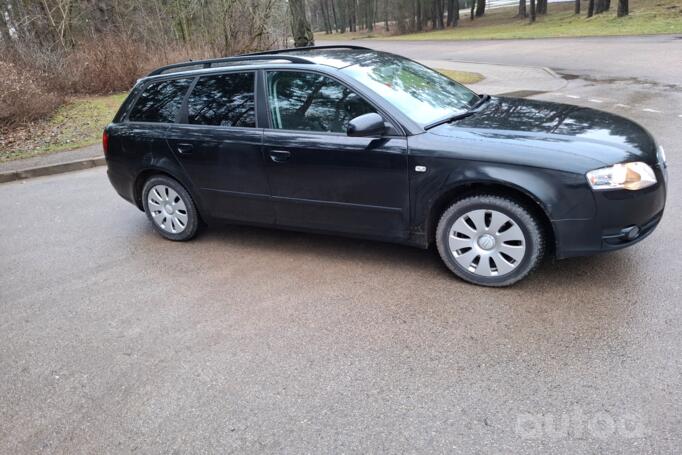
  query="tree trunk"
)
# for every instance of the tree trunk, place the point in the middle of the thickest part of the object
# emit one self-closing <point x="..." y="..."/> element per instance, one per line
<point x="419" y="15"/>
<point x="351" y="15"/>
<point x="599" y="7"/>
<point x="369" y="16"/>
<point x="577" y="6"/>
<point x="354" y="16"/>
<point x="386" y="16"/>
<point x="607" y="5"/>
<point x="590" y="8"/>
<point x="336" y="22"/>
<point x="325" y="17"/>
<point x="441" y="13"/>
<point x="532" y="11"/>
<point x="480" y="8"/>
<point x="522" y="8"/>
<point x="473" y="8"/>
<point x="542" y="7"/>
<point x="453" y="13"/>
<point x="438" y="13"/>
<point x="5" y="39"/>
<point x="300" y="27"/>
<point x="623" y="8"/>
<point x="434" y="14"/>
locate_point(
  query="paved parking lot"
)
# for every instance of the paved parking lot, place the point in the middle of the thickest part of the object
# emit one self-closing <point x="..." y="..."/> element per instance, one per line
<point x="254" y="340"/>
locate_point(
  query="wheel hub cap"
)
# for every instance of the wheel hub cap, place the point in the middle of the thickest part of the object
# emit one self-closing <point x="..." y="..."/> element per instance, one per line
<point x="167" y="208"/>
<point x="487" y="243"/>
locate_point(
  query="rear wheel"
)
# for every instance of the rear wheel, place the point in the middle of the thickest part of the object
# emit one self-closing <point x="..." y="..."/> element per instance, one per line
<point x="489" y="240"/>
<point x="170" y="208"/>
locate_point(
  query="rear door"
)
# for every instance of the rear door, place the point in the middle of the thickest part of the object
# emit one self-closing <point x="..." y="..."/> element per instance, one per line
<point x="320" y="177"/>
<point x="219" y="146"/>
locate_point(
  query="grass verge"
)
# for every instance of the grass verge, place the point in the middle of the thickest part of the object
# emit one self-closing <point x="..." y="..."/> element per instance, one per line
<point x="463" y="77"/>
<point x="76" y="124"/>
<point x="647" y="17"/>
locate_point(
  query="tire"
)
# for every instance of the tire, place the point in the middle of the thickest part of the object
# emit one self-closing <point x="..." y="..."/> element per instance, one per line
<point x="501" y="232"/>
<point x="170" y="208"/>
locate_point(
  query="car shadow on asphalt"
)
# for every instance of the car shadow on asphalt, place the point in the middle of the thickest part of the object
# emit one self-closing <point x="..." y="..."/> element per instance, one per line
<point x="393" y="280"/>
<point x="607" y="271"/>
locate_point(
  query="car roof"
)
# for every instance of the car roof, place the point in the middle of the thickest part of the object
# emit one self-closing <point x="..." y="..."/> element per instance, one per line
<point x="335" y="57"/>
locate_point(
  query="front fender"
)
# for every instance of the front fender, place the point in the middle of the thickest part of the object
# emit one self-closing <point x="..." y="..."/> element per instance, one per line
<point x="447" y="179"/>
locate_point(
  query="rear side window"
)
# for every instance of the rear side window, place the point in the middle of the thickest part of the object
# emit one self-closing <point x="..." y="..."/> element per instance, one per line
<point x="160" y="101"/>
<point x="223" y="100"/>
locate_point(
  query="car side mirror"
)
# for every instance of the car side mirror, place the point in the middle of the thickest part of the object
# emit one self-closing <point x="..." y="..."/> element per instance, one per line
<point x="371" y="124"/>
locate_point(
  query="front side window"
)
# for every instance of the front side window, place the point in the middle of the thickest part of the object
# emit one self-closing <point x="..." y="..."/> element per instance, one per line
<point x="312" y="102"/>
<point x="160" y="101"/>
<point x="223" y="100"/>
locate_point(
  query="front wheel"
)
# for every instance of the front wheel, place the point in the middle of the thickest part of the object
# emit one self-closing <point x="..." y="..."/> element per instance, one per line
<point x="170" y="208"/>
<point x="489" y="240"/>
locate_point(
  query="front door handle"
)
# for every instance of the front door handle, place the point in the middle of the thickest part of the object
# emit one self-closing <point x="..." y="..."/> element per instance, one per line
<point x="185" y="149"/>
<point x="279" y="156"/>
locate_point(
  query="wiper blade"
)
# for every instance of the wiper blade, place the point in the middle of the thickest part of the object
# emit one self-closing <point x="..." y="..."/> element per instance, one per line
<point x="453" y="118"/>
<point x="483" y="99"/>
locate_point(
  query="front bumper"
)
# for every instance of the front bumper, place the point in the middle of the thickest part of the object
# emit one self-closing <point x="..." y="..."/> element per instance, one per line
<point x="622" y="218"/>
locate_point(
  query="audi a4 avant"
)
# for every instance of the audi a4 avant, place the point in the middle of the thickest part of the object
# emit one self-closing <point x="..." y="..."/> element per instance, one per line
<point x="347" y="140"/>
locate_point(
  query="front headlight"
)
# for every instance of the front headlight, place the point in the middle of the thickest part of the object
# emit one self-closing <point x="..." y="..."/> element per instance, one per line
<point x="628" y="176"/>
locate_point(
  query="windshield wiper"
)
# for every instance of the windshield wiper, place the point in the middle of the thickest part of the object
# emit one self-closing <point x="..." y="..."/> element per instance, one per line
<point x="453" y="118"/>
<point x="483" y="99"/>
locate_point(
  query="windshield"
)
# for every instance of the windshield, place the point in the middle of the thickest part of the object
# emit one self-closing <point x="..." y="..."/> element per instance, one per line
<point x="422" y="94"/>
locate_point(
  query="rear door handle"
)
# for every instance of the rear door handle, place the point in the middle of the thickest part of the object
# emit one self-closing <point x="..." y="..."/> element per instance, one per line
<point x="279" y="156"/>
<point x="185" y="149"/>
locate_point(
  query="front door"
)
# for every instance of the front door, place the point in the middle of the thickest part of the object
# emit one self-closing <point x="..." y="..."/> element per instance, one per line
<point x="319" y="177"/>
<point x="220" y="148"/>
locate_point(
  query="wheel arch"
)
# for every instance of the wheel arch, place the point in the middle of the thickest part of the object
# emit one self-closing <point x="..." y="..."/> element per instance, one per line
<point x="522" y="196"/>
<point x="147" y="173"/>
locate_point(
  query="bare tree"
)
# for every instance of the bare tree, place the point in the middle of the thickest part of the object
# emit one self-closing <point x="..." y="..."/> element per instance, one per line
<point x="300" y="27"/>
<point x="577" y="6"/>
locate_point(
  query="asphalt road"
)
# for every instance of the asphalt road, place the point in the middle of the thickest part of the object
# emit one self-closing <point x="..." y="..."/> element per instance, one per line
<point x="644" y="58"/>
<point x="253" y="340"/>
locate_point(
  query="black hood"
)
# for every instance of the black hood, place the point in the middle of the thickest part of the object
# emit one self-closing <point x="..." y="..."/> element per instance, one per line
<point x="533" y="120"/>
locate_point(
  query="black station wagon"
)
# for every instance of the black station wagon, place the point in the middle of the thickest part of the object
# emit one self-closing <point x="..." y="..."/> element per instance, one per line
<point x="347" y="140"/>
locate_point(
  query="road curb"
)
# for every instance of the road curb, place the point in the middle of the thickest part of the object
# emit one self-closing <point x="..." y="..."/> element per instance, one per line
<point x="546" y="69"/>
<point x="52" y="169"/>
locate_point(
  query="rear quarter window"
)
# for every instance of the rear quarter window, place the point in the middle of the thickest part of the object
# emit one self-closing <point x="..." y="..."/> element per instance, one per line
<point x="160" y="101"/>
